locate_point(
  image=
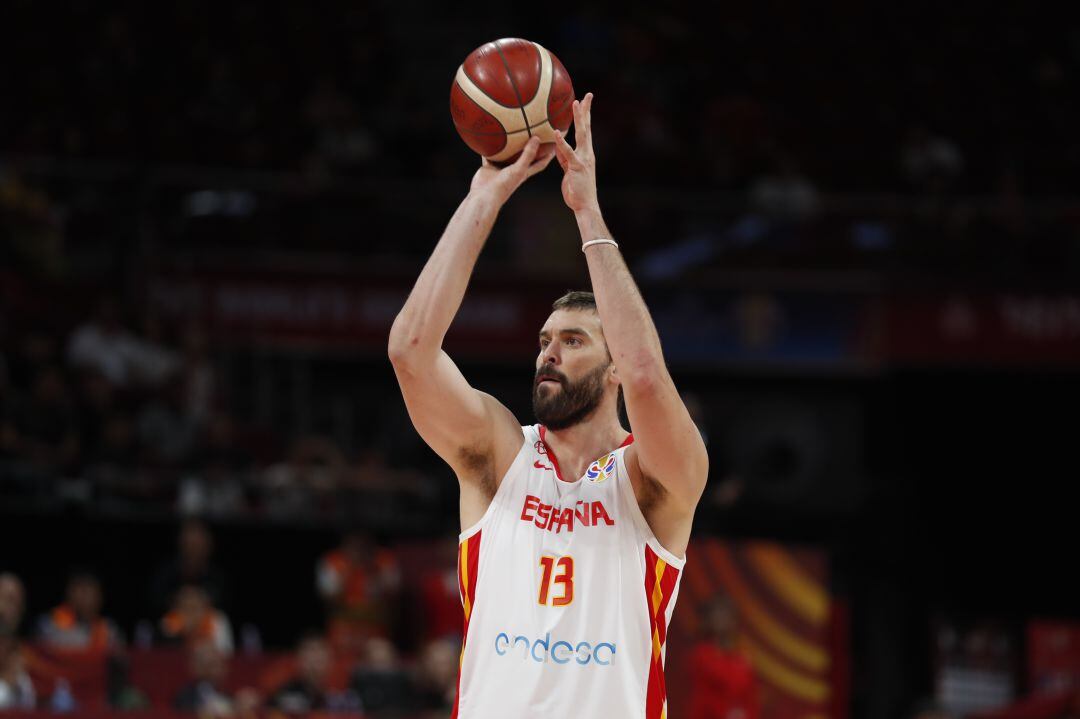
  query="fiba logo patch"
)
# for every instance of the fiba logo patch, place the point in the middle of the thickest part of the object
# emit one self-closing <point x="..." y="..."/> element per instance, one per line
<point x="601" y="469"/>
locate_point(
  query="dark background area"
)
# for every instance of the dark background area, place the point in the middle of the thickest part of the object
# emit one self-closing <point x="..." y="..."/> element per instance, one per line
<point x="851" y="169"/>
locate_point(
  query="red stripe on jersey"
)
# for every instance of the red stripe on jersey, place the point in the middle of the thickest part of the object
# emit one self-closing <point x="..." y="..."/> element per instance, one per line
<point x="653" y="702"/>
<point x="555" y="460"/>
<point x="474" y="564"/>
<point x="667" y="586"/>
<point x="657" y="597"/>
<point x="468" y="563"/>
<point x="550" y="452"/>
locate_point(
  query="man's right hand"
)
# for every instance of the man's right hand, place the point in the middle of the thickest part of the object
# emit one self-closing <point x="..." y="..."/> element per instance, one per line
<point x="499" y="183"/>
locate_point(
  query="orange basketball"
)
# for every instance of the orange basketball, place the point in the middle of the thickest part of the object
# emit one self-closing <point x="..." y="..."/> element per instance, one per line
<point x="506" y="92"/>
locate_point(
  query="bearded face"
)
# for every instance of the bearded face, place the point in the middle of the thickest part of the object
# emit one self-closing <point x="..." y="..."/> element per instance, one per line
<point x="559" y="403"/>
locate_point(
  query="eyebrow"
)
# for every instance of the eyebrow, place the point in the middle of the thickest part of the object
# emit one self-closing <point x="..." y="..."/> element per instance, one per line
<point x="567" y="331"/>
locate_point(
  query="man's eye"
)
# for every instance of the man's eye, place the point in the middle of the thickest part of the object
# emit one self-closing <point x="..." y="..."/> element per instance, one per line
<point x="573" y="341"/>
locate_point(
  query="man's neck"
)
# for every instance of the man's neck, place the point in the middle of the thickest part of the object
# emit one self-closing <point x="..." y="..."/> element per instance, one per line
<point x="579" y="445"/>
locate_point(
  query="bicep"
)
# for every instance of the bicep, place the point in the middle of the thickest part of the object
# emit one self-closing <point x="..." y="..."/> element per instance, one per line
<point x="668" y="445"/>
<point x="454" y="419"/>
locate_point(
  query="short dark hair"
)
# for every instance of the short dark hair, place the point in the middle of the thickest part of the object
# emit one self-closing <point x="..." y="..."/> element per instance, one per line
<point x="575" y="300"/>
<point x="82" y="574"/>
<point x="582" y="300"/>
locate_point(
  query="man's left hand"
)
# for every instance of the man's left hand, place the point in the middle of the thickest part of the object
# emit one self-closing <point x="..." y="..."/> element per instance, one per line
<point x="578" y="163"/>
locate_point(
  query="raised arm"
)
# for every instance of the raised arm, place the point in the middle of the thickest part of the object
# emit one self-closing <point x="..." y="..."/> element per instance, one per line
<point x="667" y="444"/>
<point x="462" y="425"/>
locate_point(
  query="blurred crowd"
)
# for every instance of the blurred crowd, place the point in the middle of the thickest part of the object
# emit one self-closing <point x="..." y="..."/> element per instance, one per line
<point x="129" y="414"/>
<point x="135" y="139"/>
<point x="351" y="664"/>
<point x="363" y="88"/>
<point x="947" y="146"/>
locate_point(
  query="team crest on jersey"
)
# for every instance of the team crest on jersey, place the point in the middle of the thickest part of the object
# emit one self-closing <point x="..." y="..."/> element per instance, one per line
<point x="601" y="469"/>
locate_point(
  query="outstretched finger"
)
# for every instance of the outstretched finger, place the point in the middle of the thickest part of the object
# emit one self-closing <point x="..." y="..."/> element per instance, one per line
<point x="583" y="123"/>
<point x="563" y="151"/>
<point x="588" y="113"/>
<point x="580" y="131"/>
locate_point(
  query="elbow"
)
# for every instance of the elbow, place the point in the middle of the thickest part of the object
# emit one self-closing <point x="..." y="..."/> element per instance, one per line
<point x="397" y="350"/>
<point x="406" y="347"/>
<point x="402" y="343"/>
<point x="401" y="351"/>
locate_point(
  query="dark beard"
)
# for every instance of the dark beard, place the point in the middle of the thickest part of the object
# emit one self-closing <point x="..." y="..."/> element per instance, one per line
<point x="573" y="403"/>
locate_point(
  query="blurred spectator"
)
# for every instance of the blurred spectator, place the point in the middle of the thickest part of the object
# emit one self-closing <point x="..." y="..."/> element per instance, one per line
<point x="192" y="566"/>
<point x="305" y="482"/>
<point x="440" y="598"/>
<point x="1073" y="712"/>
<point x="310" y="689"/>
<point x="16" y="689"/>
<point x="12" y="601"/>
<point x="761" y="320"/>
<point x="45" y="430"/>
<point x="358" y="582"/>
<point x="930" y="710"/>
<point x="205" y="695"/>
<point x="95" y="400"/>
<point x="165" y="429"/>
<point x="77" y="624"/>
<point x="200" y="382"/>
<point x="723" y="683"/>
<point x="35" y="349"/>
<point x="152" y="361"/>
<point x="193" y="620"/>
<point x="370" y="489"/>
<point x="341" y="141"/>
<point x="215" y="486"/>
<point x="436" y="678"/>
<point x="785" y="193"/>
<point x="113" y="461"/>
<point x="930" y="162"/>
<point x="7" y="405"/>
<point x="102" y="343"/>
<point x="384" y="687"/>
<point x="31" y="228"/>
<point x="975" y="666"/>
<point x="214" y="492"/>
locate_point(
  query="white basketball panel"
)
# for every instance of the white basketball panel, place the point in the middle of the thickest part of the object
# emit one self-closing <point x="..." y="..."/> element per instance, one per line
<point x="509" y="117"/>
<point x="536" y="108"/>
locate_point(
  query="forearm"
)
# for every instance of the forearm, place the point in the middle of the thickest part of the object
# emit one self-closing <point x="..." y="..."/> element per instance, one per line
<point x="628" y="328"/>
<point x="436" y="297"/>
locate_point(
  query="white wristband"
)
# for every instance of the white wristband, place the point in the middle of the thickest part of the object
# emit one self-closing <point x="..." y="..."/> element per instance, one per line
<point x="602" y="241"/>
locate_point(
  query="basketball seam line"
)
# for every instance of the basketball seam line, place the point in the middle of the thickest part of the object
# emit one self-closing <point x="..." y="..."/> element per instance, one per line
<point x="513" y="84"/>
<point x="546" y="121"/>
<point x="482" y="90"/>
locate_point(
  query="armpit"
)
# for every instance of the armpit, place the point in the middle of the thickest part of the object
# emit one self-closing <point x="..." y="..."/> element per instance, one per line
<point x="649" y="493"/>
<point x="477" y="466"/>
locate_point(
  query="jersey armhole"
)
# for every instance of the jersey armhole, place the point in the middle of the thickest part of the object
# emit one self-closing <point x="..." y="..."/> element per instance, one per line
<point x="642" y="523"/>
<point x="507" y="479"/>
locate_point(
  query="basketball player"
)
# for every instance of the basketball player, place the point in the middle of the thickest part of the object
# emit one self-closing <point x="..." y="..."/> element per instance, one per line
<point x="574" y="531"/>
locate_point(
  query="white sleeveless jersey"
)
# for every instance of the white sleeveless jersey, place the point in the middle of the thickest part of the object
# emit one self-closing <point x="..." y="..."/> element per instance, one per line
<point x="567" y="596"/>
